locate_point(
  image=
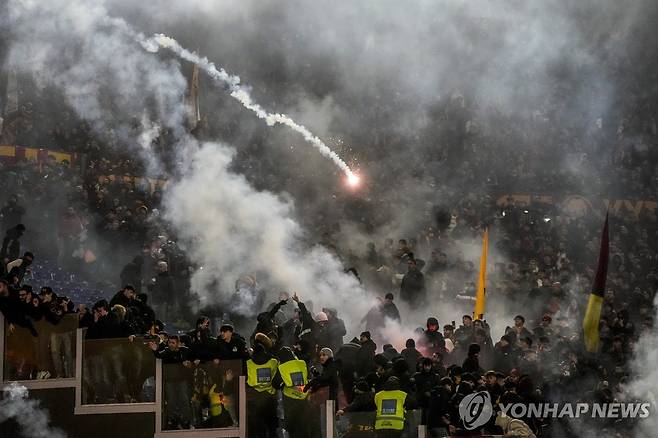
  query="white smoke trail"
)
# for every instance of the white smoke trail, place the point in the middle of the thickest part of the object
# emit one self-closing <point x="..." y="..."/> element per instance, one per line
<point x="239" y="93"/>
<point x="32" y="420"/>
<point x="225" y="225"/>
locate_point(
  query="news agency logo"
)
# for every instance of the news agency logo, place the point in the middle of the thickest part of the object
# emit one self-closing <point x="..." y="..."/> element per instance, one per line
<point x="475" y="410"/>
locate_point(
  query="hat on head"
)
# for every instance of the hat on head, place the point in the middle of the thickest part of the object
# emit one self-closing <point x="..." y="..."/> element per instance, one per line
<point x="226" y="326"/>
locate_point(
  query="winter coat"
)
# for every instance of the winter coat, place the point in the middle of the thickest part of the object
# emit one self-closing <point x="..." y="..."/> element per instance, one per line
<point x="328" y="378"/>
<point x="365" y="358"/>
<point x="363" y="402"/>
<point x="514" y="428"/>
<point x="163" y="288"/>
<point x="132" y="274"/>
<point x="432" y="342"/>
<point x="411" y="355"/>
<point x="11" y="245"/>
<point x="412" y="288"/>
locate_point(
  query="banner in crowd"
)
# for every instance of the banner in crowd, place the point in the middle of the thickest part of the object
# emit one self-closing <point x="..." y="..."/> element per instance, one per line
<point x="154" y="183"/>
<point x="579" y="206"/>
<point x="18" y="153"/>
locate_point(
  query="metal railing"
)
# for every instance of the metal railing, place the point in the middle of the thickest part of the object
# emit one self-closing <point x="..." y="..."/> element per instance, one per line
<point x="19" y="350"/>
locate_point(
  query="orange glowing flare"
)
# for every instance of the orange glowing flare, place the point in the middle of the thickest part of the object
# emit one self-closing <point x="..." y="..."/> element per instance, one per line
<point x="353" y="180"/>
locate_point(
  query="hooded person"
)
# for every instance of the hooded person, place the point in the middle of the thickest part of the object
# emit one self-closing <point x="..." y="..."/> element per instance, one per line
<point x="262" y="367"/>
<point x="432" y="340"/>
<point x="291" y="378"/>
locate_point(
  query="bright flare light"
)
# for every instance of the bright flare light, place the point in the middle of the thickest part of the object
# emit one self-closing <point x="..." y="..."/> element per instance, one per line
<point x="353" y="179"/>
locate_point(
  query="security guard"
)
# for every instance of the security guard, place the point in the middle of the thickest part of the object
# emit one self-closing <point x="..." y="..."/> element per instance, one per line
<point x="292" y="377"/>
<point x="261" y="402"/>
<point x="391" y="412"/>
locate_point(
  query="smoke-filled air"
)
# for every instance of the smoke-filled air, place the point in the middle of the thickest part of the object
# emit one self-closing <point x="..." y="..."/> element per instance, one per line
<point x="484" y="231"/>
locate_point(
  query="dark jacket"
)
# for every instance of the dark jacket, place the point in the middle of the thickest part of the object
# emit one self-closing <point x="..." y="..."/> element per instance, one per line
<point x="425" y="382"/>
<point x="313" y="332"/>
<point x="132" y="273"/>
<point x="202" y="345"/>
<point x="163" y="288"/>
<point x="121" y="299"/>
<point x="107" y="327"/>
<point x="363" y="402"/>
<point x="390" y="311"/>
<point x="328" y="378"/>
<point x="348" y="355"/>
<point x="335" y="332"/>
<point x="173" y="370"/>
<point x="411" y="355"/>
<point x="236" y="349"/>
<point x="12" y="310"/>
<point x="438" y="410"/>
<point x="432" y="342"/>
<point x="365" y="363"/>
<point x="412" y="288"/>
<point x="11" y="245"/>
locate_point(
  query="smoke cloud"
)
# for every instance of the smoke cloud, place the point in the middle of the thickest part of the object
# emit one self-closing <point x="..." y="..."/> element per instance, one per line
<point x="34" y="422"/>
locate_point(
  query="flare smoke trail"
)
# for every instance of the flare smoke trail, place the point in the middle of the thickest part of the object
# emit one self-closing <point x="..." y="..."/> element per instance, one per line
<point x="239" y="93"/>
<point x="32" y="420"/>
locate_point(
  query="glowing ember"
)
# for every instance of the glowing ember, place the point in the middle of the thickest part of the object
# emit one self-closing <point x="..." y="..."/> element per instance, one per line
<point x="353" y="180"/>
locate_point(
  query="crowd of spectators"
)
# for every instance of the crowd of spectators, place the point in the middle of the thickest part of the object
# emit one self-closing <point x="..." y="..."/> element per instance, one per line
<point x="542" y="267"/>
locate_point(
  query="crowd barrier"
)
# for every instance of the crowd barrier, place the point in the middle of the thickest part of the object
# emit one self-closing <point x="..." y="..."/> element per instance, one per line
<point x="43" y="360"/>
<point x="117" y="371"/>
<point x="117" y="376"/>
<point x="362" y="425"/>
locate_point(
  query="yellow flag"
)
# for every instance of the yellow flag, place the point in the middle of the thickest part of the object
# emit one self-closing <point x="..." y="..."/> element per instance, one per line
<point x="480" y="296"/>
<point x="592" y="318"/>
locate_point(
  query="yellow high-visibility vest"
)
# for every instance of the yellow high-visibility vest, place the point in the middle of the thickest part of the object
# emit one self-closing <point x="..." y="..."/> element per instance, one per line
<point x="295" y="376"/>
<point x="216" y="406"/>
<point x="390" y="410"/>
<point x="259" y="377"/>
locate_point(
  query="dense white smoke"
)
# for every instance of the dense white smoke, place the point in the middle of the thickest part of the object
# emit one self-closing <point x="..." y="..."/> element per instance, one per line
<point x="226" y="226"/>
<point x="99" y="70"/>
<point x="644" y="386"/>
<point x="241" y="94"/>
<point x="236" y="230"/>
<point x="32" y="419"/>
